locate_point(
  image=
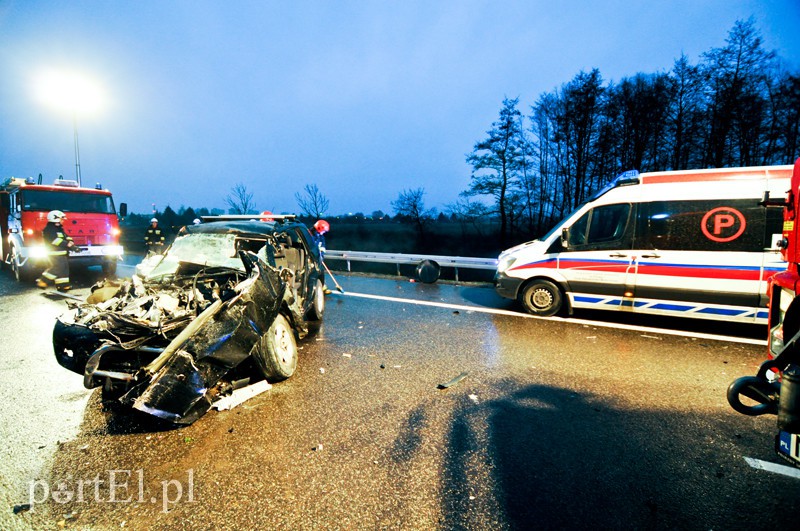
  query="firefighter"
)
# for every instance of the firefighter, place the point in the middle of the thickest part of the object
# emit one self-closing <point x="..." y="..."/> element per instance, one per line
<point x="318" y="235"/>
<point x="58" y="246"/>
<point x="154" y="238"/>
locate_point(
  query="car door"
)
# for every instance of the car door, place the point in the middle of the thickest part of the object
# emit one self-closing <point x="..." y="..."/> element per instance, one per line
<point x="597" y="261"/>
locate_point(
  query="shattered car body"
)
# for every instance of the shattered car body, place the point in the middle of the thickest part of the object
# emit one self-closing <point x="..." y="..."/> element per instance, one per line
<point x="222" y="307"/>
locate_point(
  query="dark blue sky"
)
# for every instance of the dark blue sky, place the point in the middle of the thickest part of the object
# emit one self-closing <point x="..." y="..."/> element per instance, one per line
<point x="363" y="98"/>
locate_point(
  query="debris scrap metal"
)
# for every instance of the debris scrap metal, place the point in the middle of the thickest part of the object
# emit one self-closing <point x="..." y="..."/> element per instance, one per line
<point x="173" y="349"/>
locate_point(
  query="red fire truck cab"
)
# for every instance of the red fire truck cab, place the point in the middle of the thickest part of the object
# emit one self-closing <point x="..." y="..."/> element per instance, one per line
<point x="784" y="287"/>
<point x="91" y="222"/>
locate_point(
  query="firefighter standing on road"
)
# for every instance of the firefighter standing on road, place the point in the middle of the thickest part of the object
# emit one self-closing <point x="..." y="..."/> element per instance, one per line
<point x="318" y="235"/>
<point x="58" y="246"/>
<point x="154" y="238"/>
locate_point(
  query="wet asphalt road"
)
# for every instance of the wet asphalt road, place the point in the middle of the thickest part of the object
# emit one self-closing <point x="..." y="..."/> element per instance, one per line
<point x="557" y="425"/>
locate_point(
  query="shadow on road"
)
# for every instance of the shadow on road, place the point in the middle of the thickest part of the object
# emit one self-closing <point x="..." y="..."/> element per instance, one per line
<point x="562" y="460"/>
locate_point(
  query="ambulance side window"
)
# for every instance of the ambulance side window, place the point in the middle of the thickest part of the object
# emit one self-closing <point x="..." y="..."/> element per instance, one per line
<point x="705" y="225"/>
<point x="603" y="227"/>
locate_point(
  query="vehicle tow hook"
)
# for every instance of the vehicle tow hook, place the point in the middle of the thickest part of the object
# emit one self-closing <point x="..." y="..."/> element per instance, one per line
<point x="760" y="390"/>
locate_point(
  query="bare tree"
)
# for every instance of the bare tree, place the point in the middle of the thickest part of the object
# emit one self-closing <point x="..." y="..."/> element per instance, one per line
<point x="313" y="203"/>
<point x="240" y="200"/>
<point x="411" y="206"/>
<point x="469" y="213"/>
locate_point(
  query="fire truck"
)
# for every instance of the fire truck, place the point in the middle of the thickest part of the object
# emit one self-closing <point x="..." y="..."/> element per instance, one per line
<point x="775" y="389"/>
<point x="91" y="222"/>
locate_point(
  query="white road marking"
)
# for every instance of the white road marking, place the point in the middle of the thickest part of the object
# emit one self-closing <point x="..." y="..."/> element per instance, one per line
<point x="773" y="467"/>
<point x="479" y="309"/>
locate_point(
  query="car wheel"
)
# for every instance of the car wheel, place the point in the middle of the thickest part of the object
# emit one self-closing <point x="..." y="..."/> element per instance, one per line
<point x="276" y="354"/>
<point x="317" y="309"/>
<point x="541" y="297"/>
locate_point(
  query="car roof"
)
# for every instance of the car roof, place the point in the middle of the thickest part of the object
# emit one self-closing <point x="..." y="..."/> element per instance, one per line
<point x="243" y="228"/>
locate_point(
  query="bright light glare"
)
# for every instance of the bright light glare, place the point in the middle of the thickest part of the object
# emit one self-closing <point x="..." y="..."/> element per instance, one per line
<point x="69" y="91"/>
<point x="38" y="251"/>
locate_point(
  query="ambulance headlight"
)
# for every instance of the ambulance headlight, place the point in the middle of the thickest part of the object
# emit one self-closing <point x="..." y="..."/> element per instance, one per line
<point x="505" y="262"/>
<point x="38" y="251"/>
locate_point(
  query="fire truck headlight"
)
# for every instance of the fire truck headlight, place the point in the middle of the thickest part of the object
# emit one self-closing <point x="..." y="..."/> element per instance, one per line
<point x="37" y="252"/>
<point x="115" y="232"/>
<point x="29" y="232"/>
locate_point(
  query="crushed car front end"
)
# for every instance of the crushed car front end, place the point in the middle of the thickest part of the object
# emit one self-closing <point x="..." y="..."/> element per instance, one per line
<point x="171" y="344"/>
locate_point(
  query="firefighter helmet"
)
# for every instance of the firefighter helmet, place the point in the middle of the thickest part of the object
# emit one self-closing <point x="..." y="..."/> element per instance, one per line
<point x="322" y="226"/>
<point x="54" y="216"/>
<point x="154" y="220"/>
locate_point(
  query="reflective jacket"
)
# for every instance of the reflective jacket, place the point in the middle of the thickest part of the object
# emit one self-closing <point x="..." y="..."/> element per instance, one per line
<point x="56" y="239"/>
<point x="154" y="236"/>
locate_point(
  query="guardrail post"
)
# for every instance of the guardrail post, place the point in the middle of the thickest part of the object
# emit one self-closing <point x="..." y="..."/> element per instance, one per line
<point x="456" y="268"/>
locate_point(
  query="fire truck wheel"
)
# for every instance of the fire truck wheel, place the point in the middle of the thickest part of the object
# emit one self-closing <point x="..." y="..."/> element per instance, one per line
<point x="21" y="273"/>
<point x="541" y="297"/>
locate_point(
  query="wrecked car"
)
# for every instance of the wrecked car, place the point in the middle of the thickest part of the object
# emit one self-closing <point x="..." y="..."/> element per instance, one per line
<point x="222" y="308"/>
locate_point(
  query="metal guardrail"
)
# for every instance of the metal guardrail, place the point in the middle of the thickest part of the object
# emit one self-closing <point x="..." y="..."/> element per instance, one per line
<point x="464" y="262"/>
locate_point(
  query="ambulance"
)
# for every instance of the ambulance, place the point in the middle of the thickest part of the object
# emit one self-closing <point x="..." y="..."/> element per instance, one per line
<point x="695" y="243"/>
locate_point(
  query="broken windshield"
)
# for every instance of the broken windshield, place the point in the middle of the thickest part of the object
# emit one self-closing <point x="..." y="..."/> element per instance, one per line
<point x="210" y="250"/>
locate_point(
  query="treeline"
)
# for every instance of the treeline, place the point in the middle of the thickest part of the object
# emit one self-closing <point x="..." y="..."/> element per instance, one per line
<point x="170" y="219"/>
<point x="737" y="107"/>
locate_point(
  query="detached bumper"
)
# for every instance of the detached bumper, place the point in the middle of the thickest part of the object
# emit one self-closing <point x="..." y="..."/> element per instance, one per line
<point x="507" y="286"/>
<point x="96" y="254"/>
<point x="99" y="251"/>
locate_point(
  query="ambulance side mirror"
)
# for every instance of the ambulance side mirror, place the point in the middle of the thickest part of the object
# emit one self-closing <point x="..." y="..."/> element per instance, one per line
<point x="565" y="238"/>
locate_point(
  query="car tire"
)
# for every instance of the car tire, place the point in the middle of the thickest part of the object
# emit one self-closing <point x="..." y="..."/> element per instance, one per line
<point x="541" y="297"/>
<point x="276" y="354"/>
<point x="317" y="309"/>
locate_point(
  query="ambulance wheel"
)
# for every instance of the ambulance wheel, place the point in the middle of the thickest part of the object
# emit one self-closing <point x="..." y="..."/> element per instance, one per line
<point x="541" y="297"/>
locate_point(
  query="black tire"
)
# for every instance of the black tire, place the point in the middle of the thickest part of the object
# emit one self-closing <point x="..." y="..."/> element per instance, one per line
<point x="541" y="297"/>
<point x="317" y="309"/>
<point x="276" y="352"/>
<point x="428" y="271"/>
<point x="110" y="267"/>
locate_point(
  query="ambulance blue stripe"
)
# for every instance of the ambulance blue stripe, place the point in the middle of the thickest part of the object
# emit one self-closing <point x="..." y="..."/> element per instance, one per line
<point x="592" y="300"/>
<point x="720" y="311"/>
<point x="672" y="307"/>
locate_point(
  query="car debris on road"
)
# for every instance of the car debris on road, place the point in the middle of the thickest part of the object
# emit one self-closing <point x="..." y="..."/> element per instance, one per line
<point x="222" y="308"/>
